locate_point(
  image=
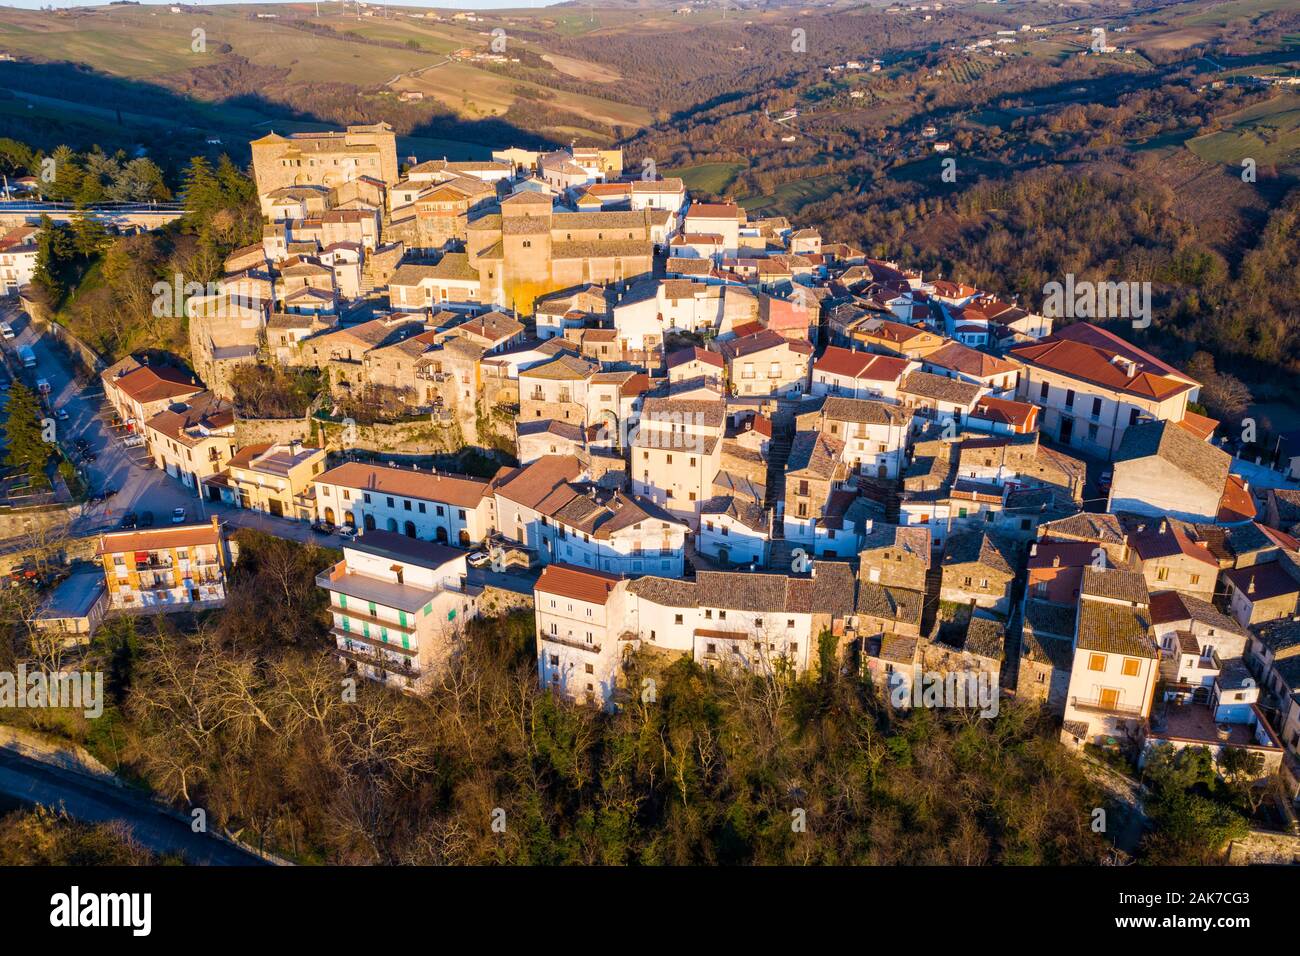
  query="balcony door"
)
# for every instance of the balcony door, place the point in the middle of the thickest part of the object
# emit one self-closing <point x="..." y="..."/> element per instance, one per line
<point x="1109" y="698"/>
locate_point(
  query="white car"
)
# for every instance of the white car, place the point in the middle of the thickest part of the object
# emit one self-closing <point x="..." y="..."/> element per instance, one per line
<point x="477" y="559"/>
<point x="178" y="516"/>
<point x="7" y="330"/>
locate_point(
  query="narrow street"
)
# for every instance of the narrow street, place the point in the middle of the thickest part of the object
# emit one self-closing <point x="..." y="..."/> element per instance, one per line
<point x="93" y="800"/>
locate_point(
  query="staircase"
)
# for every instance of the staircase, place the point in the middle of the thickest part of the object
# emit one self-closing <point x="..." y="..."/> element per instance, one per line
<point x="933" y="582"/>
<point x="778" y="453"/>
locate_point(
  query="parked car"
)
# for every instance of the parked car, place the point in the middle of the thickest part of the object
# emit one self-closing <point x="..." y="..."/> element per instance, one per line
<point x="81" y="444"/>
<point x="43" y="386"/>
<point x="62" y="414"/>
<point x="88" y="457"/>
<point x="129" y="521"/>
<point x="347" y="534"/>
<point x="178" y="516"/>
<point x="146" y="519"/>
<point x="322" y="527"/>
<point x="478" y="559"/>
<point x="7" y="330"/>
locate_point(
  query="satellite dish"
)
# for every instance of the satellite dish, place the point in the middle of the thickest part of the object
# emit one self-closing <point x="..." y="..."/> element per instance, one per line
<point x="1248" y="682"/>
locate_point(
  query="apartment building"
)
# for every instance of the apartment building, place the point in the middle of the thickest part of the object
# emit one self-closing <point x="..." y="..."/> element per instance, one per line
<point x="734" y="530"/>
<point x="450" y="283"/>
<point x="855" y="374"/>
<point x="649" y="310"/>
<point x="875" y="434"/>
<point x="177" y="568"/>
<point x="582" y="630"/>
<point x="677" y="452"/>
<point x="192" y="440"/>
<point x="895" y="338"/>
<point x="1171" y="557"/>
<point x="17" y="258"/>
<point x="1093" y="386"/>
<point x="138" y="389"/>
<point x="275" y="479"/>
<point x="754" y="620"/>
<point x="766" y="364"/>
<point x="1116" y="660"/>
<point x="547" y="508"/>
<point x="955" y="360"/>
<point x="939" y="398"/>
<point x="399" y="607"/>
<point x="428" y="505"/>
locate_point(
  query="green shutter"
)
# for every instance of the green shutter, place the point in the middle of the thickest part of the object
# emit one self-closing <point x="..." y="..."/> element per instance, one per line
<point x="343" y="600"/>
<point x="347" y="625"/>
<point x="428" y="609"/>
<point x="401" y="618"/>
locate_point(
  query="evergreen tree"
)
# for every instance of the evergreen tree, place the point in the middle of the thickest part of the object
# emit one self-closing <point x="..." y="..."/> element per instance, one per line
<point x="26" y="448"/>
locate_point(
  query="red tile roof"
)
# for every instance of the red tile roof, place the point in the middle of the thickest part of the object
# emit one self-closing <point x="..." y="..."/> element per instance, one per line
<point x="869" y="365"/>
<point x="579" y="584"/>
<point x="1237" y="504"/>
<point x="152" y="383"/>
<point x="458" y="490"/>
<point x="1199" y="425"/>
<point x="1093" y="364"/>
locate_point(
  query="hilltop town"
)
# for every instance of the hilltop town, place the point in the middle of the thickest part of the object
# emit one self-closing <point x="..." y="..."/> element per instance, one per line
<point x="668" y="430"/>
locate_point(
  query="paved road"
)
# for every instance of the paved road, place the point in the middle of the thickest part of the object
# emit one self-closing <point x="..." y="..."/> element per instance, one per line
<point x="141" y="488"/>
<point x="95" y="801"/>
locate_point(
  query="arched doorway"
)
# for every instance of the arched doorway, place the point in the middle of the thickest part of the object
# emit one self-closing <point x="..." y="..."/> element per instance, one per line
<point x="369" y="522"/>
<point x="329" y="515"/>
<point x="464" y="538"/>
<point x="409" y="528"/>
<point x="392" y="524"/>
<point x="440" y="536"/>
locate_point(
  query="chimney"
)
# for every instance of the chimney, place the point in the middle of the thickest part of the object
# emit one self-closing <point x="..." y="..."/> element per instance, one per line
<point x="1164" y="526"/>
<point x="1056" y="560"/>
<point x="1250" y="588"/>
<point x="1033" y="549"/>
<point x="216" y="523"/>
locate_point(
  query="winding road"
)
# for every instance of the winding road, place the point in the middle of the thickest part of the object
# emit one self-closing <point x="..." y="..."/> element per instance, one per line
<point x="94" y="800"/>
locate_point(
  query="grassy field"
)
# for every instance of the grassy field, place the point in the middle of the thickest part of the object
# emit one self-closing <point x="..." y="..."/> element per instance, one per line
<point x="147" y="43"/>
<point x="788" y="198"/>
<point x="708" y="177"/>
<point x="1267" y="132"/>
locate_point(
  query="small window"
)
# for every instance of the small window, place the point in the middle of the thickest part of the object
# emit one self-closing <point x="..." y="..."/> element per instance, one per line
<point x="1097" y="662"/>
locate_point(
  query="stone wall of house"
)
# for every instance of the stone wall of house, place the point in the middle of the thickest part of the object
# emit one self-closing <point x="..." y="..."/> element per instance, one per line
<point x="498" y="602"/>
<point x="24" y="522"/>
<point x="570" y="412"/>
<point x="412" y="440"/>
<point x="1265" y="847"/>
<point x="273" y="431"/>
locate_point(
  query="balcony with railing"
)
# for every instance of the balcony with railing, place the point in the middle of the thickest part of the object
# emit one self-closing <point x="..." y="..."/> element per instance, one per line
<point x="569" y="642"/>
<point x="1100" y="706"/>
